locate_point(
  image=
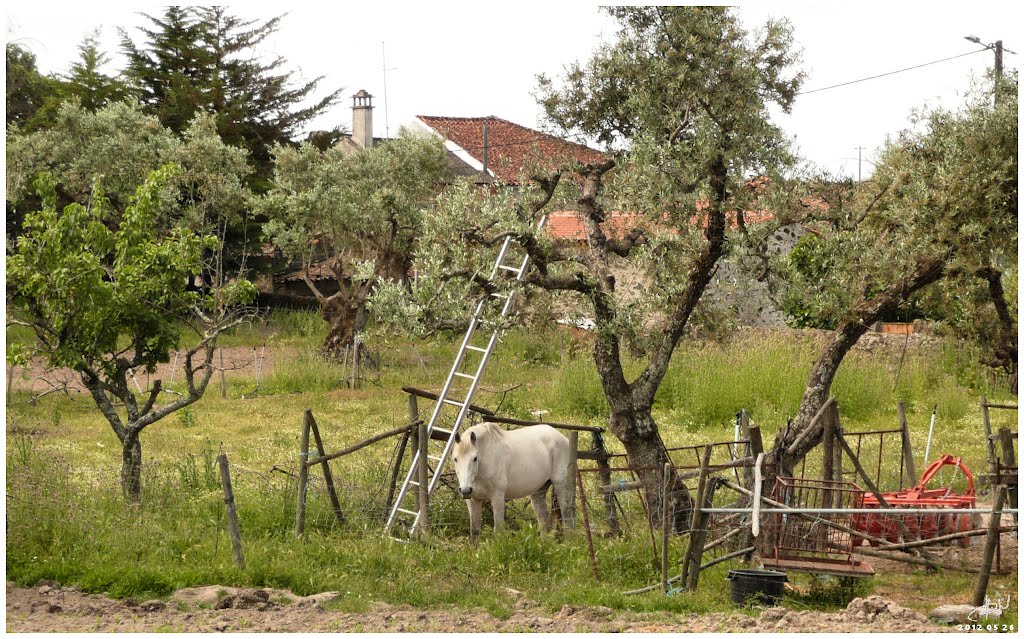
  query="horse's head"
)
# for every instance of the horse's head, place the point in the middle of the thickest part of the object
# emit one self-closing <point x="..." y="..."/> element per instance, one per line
<point x="466" y="458"/>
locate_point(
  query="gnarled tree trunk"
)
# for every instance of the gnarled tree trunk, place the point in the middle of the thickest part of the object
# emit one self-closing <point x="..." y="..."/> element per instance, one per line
<point x="131" y="466"/>
<point x="780" y="459"/>
<point x="345" y="318"/>
<point x="646" y="451"/>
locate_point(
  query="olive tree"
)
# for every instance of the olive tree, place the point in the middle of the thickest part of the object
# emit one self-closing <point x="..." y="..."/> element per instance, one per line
<point x="105" y="292"/>
<point x="353" y="218"/>
<point x="686" y="91"/>
<point x="941" y="207"/>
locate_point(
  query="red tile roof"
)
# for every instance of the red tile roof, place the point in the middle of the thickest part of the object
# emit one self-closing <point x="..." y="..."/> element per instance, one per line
<point x="568" y="225"/>
<point x="511" y="148"/>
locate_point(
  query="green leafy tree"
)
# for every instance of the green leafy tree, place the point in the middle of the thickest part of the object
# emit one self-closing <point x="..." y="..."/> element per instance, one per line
<point x="688" y="91"/>
<point x="942" y="206"/>
<point x="353" y="219"/>
<point x="123" y="145"/>
<point x="29" y="93"/>
<point x="105" y="302"/>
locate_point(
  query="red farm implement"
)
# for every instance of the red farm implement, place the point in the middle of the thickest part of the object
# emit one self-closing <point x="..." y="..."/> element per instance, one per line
<point x="921" y="525"/>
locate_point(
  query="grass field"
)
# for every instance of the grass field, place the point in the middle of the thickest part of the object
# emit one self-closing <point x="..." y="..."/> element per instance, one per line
<point x="66" y="519"/>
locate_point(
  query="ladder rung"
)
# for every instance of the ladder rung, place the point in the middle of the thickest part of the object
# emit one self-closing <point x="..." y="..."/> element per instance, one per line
<point x="465" y="375"/>
<point x="500" y="296"/>
<point x="515" y="270"/>
<point x="413" y="482"/>
<point x="477" y="349"/>
<point x="408" y="512"/>
<point x="434" y="457"/>
<point x="454" y="403"/>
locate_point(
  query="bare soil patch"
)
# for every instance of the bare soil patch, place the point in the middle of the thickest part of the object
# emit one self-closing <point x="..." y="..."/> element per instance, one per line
<point x="51" y="608"/>
<point x="239" y="361"/>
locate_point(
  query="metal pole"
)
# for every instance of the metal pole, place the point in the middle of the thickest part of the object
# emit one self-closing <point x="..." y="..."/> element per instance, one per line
<point x="859" y="511"/>
<point x="931" y="429"/>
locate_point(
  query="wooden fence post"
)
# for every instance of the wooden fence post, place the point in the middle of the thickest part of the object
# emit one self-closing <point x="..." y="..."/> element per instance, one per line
<point x="981" y="587"/>
<point x="395" y="470"/>
<point x="990" y="445"/>
<point x="328" y="478"/>
<point x="702" y="534"/>
<point x="300" y="505"/>
<point x="684" y="576"/>
<point x="415" y="435"/>
<point x="586" y="525"/>
<point x="1009" y="461"/>
<point x="756" y="443"/>
<point x="604" y="477"/>
<point x="574" y="442"/>
<point x="10" y="381"/>
<point x="229" y="504"/>
<point x="908" y="451"/>
<point x="424" y="488"/>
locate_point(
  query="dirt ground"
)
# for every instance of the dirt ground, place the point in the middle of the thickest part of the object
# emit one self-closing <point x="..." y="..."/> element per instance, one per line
<point x="242" y="362"/>
<point x="239" y="361"/>
<point x="50" y="608"/>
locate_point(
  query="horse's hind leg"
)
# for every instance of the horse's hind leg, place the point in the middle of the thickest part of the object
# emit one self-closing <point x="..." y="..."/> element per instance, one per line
<point x="540" y="507"/>
<point x="566" y="504"/>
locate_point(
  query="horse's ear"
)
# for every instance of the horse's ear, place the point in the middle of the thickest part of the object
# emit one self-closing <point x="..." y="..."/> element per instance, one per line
<point x="458" y="438"/>
<point x="472" y="438"/>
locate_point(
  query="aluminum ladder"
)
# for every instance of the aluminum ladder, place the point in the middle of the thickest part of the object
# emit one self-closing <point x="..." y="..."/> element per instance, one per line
<point x="460" y="406"/>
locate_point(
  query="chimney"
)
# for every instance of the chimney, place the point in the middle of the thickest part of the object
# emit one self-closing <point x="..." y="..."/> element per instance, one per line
<point x="362" y="119"/>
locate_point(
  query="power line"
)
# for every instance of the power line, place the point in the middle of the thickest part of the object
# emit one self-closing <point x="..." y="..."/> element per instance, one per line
<point x="882" y="75"/>
<point x="834" y="86"/>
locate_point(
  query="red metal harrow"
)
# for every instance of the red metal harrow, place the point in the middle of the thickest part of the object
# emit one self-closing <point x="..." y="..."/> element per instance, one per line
<point x="921" y="525"/>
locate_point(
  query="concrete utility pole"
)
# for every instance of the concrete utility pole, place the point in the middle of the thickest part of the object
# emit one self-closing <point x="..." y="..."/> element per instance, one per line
<point x="997" y="49"/>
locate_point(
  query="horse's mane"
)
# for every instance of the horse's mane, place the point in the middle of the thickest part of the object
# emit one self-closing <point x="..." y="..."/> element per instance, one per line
<point x="492" y="428"/>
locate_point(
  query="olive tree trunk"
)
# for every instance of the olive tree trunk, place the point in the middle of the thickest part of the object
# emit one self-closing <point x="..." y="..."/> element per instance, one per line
<point x="783" y="458"/>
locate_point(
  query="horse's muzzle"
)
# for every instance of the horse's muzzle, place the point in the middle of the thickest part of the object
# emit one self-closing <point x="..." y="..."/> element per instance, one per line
<point x="466" y="492"/>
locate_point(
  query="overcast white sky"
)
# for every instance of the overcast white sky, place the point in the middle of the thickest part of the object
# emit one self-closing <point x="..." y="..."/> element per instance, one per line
<point x="461" y="59"/>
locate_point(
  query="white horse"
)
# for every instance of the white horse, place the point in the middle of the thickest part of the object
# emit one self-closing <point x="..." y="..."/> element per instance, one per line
<point x="494" y="464"/>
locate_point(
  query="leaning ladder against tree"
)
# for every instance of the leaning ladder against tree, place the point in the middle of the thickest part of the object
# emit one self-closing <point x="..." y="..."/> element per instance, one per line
<point x="493" y="296"/>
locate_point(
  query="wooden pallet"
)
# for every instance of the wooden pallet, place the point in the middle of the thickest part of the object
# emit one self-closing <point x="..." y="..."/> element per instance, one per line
<point x="822" y="566"/>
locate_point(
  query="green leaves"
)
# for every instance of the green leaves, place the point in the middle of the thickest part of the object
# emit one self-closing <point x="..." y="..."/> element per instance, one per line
<point x="947" y="187"/>
<point x="87" y="288"/>
<point x="354" y="209"/>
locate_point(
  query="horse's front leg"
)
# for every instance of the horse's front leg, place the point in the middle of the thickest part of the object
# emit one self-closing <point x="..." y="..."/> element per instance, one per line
<point x="475" y="517"/>
<point x="498" y="506"/>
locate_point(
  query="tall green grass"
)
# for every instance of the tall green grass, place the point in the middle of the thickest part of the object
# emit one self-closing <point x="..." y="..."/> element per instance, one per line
<point x="67" y="519"/>
<point x="708" y="383"/>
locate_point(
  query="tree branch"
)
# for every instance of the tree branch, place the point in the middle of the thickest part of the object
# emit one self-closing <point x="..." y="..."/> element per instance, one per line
<point x="624" y="247"/>
<point x="697" y="280"/>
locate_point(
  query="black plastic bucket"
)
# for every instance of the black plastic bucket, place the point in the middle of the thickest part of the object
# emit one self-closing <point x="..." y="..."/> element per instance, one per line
<point x="756" y="586"/>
